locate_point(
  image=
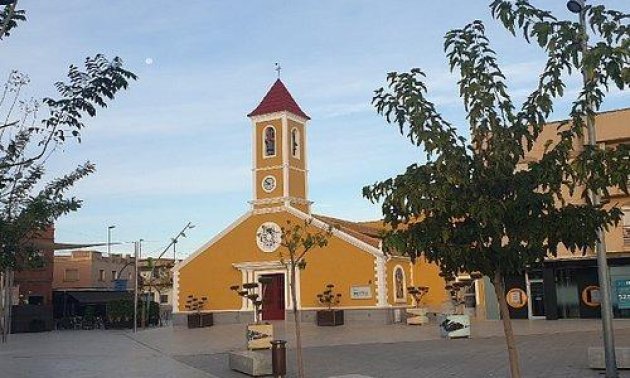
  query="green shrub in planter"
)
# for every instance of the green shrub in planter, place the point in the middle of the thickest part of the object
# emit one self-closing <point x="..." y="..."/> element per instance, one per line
<point x="330" y="316"/>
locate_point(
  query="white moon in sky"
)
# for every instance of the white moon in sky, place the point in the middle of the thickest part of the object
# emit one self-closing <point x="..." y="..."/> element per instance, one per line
<point x="148" y="61"/>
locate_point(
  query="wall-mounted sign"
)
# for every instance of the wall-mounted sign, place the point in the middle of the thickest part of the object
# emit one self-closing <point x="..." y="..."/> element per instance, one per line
<point x="268" y="236"/>
<point x="516" y="298"/>
<point x="360" y="292"/>
<point x="622" y="290"/>
<point x="591" y="296"/>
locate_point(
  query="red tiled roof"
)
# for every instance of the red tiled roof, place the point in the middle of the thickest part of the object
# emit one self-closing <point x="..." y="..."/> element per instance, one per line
<point x="364" y="233"/>
<point x="278" y="99"/>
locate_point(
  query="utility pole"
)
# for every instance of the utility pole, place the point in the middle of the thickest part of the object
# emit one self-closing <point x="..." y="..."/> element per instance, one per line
<point x="579" y="7"/>
<point x="135" y="286"/>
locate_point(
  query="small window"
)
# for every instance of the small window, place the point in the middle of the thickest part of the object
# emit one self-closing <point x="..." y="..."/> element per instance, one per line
<point x="399" y="285"/>
<point x="163" y="298"/>
<point x="101" y="275"/>
<point x="295" y="143"/>
<point x="114" y="275"/>
<point x="71" y="275"/>
<point x="269" y="139"/>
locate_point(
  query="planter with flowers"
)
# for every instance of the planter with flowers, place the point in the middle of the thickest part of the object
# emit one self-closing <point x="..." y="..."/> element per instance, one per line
<point x="329" y="316"/>
<point x="418" y="314"/>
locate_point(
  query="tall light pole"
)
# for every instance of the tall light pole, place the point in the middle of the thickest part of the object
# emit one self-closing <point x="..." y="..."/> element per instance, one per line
<point x="579" y="7"/>
<point x="109" y="239"/>
<point x="135" y="287"/>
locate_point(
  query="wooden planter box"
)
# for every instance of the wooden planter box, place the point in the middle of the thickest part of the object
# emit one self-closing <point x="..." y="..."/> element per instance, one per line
<point x="200" y="320"/>
<point x="259" y="336"/>
<point x="330" y="318"/>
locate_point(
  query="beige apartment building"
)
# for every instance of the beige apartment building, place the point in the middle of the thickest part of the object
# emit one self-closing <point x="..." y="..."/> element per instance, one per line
<point x="83" y="270"/>
<point x="567" y="286"/>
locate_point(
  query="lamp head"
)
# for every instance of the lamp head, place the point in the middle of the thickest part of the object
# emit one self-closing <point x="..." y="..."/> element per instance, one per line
<point x="575" y="6"/>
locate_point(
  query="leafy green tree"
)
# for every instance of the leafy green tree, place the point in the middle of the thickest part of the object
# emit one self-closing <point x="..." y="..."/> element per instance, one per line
<point x="297" y="241"/>
<point x="472" y="206"/>
<point x="28" y="205"/>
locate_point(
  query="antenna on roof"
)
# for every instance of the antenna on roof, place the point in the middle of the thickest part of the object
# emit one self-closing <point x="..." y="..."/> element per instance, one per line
<point x="278" y="69"/>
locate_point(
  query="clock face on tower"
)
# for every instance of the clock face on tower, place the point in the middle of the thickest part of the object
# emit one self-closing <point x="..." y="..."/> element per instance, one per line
<point x="269" y="184"/>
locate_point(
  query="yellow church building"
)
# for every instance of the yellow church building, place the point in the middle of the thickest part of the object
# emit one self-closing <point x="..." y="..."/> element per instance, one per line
<point x="372" y="283"/>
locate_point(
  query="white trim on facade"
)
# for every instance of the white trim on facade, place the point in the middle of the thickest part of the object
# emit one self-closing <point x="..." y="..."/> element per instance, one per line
<point x="218" y="237"/>
<point x="285" y="156"/>
<point x="254" y="162"/>
<point x="276" y="115"/>
<point x="381" y="282"/>
<point x="282" y="200"/>
<point x="175" y="296"/>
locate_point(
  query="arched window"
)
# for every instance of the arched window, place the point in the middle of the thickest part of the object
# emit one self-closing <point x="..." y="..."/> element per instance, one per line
<point x="399" y="284"/>
<point x="295" y="143"/>
<point x="269" y="140"/>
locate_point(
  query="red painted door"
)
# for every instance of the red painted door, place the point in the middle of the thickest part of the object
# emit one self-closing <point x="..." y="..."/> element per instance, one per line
<point x="273" y="298"/>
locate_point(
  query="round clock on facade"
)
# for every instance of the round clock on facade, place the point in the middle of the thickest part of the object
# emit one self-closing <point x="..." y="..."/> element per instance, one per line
<point x="268" y="236"/>
<point x="269" y="184"/>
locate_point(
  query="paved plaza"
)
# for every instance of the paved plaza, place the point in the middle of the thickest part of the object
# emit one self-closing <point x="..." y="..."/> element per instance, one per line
<point x="547" y="349"/>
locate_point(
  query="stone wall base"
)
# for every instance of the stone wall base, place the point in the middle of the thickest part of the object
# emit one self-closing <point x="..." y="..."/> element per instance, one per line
<point x="352" y="316"/>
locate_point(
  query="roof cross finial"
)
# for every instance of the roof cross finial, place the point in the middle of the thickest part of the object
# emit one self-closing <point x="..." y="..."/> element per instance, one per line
<point x="278" y="69"/>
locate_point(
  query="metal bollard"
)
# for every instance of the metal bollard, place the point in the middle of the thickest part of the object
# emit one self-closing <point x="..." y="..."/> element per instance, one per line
<point x="279" y="358"/>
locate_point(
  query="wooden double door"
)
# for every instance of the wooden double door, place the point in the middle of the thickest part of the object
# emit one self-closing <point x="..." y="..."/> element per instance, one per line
<point x="273" y="307"/>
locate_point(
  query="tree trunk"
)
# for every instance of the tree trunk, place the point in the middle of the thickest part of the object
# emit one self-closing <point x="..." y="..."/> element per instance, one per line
<point x="296" y="317"/>
<point x="499" y="289"/>
<point x="3" y="302"/>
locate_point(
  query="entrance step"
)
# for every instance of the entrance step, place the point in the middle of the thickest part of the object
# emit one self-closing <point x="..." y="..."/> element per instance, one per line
<point x="596" y="358"/>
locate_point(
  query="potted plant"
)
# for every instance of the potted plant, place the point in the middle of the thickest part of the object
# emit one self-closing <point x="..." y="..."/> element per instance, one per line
<point x="418" y="314"/>
<point x="329" y="316"/>
<point x="198" y="319"/>
<point x="259" y="335"/>
<point x="454" y="323"/>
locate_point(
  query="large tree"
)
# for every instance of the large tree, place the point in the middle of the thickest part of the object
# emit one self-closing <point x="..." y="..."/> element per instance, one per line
<point x="31" y="130"/>
<point x="475" y="205"/>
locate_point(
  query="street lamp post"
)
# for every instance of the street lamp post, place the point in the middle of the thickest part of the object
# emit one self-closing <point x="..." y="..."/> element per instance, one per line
<point x="109" y="239"/>
<point x="579" y="7"/>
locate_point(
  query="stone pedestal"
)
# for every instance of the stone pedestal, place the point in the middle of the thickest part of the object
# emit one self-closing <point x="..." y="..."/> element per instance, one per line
<point x="254" y="363"/>
<point x="596" y="358"/>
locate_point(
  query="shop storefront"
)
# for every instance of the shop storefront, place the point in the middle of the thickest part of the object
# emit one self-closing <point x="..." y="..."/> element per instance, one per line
<point x="568" y="289"/>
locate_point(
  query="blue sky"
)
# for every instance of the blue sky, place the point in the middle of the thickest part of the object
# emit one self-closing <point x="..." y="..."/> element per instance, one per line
<point x="176" y="147"/>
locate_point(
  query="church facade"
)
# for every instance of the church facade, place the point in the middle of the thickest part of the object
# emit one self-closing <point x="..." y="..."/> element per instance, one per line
<point x="372" y="284"/>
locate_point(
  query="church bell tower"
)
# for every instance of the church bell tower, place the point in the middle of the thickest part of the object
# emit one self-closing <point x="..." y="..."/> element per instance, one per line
<point x="280" y="174"/>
